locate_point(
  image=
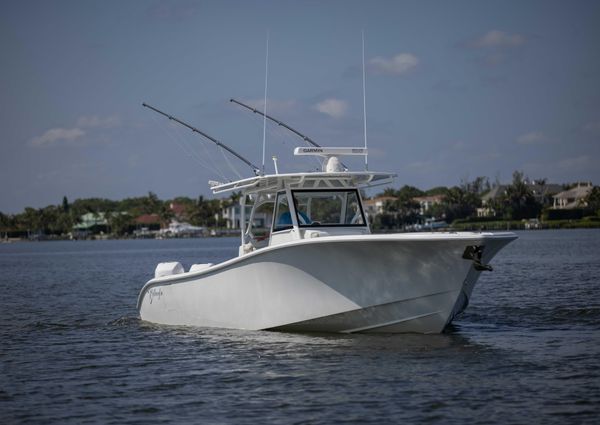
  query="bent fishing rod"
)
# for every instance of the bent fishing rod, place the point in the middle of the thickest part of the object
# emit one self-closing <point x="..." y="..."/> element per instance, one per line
<point x="255" y="169"/>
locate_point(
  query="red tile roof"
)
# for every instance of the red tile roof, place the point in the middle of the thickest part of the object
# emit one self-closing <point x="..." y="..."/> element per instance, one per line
<point x="147" y="219"/>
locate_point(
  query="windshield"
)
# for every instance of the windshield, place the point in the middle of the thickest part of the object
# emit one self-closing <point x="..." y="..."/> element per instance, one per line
<point x="333" y="207"/>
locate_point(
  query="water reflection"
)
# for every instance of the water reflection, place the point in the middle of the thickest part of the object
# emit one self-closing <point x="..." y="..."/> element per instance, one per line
<point x="311" y="342"/>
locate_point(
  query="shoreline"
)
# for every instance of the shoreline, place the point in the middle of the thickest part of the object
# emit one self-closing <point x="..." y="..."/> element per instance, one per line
<point x="470" y="227"/>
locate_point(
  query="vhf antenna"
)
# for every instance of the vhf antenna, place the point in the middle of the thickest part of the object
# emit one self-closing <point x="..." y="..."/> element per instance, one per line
<point x="264" y="145"/>
<point x="212" y="139"/>
<point x="364" y="101"/>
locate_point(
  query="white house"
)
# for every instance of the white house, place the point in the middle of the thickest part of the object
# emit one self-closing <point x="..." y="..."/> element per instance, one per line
<point x="426" y="202"/>
<point x="374" y="206"/>
<point x="572" y="198"/>
<point x="233" y="214"/>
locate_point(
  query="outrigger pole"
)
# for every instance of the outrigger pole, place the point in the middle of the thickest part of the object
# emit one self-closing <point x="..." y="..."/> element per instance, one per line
<point x="256" y="111"/>
<point x="284" y="125"/>
<point x="212" y="139"/>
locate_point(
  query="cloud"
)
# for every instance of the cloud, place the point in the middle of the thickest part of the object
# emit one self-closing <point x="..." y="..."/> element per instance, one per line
<point x="400" y="64"/>
<point x="497" y="38"/>
<point x="494" y="47"/>
<point x="335" y="108"/>
<point x="531" y="138"/>
<point x="70" y="135"/>
<point x="55" y="135"/>
<point x="94" y="121"/>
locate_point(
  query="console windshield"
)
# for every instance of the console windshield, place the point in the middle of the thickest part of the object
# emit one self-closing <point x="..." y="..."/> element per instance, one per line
<point x="333" y="207"/>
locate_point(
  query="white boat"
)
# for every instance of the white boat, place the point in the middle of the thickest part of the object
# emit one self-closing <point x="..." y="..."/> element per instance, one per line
<point x="319" y="267"/>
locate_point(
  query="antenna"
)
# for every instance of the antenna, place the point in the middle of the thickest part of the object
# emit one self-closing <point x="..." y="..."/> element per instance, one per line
<point x="265" y="106"/>
<point x="212" y="139"/>
<point x="364" y="99"/>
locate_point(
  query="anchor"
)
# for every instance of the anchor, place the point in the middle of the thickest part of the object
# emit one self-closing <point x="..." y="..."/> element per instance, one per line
<point x="474" y="253"/>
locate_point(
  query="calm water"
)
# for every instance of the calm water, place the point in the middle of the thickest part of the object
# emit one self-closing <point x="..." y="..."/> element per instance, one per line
<point x="72" y="349"/>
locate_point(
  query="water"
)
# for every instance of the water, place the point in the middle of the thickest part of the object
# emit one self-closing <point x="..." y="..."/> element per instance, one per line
<point x="72" y="349"/>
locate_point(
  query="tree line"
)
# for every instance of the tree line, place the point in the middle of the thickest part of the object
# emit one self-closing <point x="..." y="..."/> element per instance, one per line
<point x="516" y="202"/>
<point x="59" y="220"/>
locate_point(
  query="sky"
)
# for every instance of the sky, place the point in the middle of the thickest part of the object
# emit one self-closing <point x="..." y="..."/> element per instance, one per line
<point x="454" y="90"/>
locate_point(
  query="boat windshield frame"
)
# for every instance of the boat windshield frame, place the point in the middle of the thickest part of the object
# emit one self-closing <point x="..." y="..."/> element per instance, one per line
<point x="278" y="227"/>
<point x="300" y="219"/>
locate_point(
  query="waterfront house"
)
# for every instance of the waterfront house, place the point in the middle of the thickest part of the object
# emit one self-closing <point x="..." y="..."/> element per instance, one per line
<point x="573" y="198"/>
<point x="375" y="206"/>
<point x="90" y="224"/>
<point x="179" y="211"/>
<point x="488" y="199"/>
<point x="541" y="191"/>
<point x="232" y="214"/>
<point x="426" y="202"/>
<point x="150" y="221"/>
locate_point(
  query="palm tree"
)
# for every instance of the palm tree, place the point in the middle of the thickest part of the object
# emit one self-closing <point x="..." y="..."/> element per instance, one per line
<point x="593" y="200"/>
<point x="151" y="204"/>
<point x="165" y="214"/>
<point x="234" y="198"/>
<point x="120" y="223"/>
<point x="518" y="200"/>
<point x="388" y="191"/>
<point x="5" y="224"/>
<point x="65" y="205"/>
<point x="29" y="220"/>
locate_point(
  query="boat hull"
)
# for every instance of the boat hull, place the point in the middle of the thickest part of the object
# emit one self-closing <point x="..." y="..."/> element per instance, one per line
<point x="376" y="283"/>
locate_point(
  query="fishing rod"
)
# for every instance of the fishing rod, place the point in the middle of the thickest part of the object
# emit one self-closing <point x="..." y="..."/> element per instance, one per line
<point x="282" y="124"/>
<point x="212" y="139"/>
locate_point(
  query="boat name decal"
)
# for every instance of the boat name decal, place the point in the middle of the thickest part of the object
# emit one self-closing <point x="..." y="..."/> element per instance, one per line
<point x="155" y="293"/>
